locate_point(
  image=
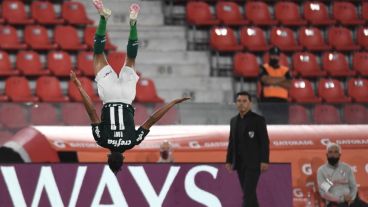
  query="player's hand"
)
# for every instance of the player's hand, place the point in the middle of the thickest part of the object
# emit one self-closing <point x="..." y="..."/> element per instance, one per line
<point x="264" y="167"/>
<point x="228" y="167"/>
<point x="74" y="79"/>
<point x="348" y="199"/>
<point x="179" y="100"/>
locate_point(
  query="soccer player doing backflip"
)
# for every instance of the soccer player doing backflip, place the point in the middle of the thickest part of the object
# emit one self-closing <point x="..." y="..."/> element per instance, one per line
<point x="116" y="128"/>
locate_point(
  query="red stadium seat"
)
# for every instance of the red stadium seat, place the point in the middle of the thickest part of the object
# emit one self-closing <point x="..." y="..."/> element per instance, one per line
<point x="365" y="11"/>
<point x="258" y="13"/>
<point x="326" y="114"/>
<point x="355" y="114"/>
<point x="89" y="36"/>
<point x="74" y="114"/>
<point x="358" y="89"/>
<point x="29" y="64"/>
<point x="346" y="13"/>
<point x="171" y="117"/>
<point x="298" y="115"/>
<point x="75" y="13"/>
<point x="116" y="60"/>
<point x="306" y="65"/>
<point x="36" y="36"/>
<point x="312" y="39"/>
<point x="301" y="91"/>
<point x="44" y="114"/>
<point x="316" y="13"/>
<point x="59" y="63"/>
<point x="141" y="114"/>
<point x="6" y="68"/>
<point x="43" y="12"/>
<point x="246" y="65"/>
<point x="14" y="12"/>
<point x="254" y="39"/>
<point x="199" y="14"/>
<point x="223" y="39"/>
<point x="85" y="63"/>
<point x="283" y="59"/>
<point x="87" y="84"/>
<point x="360" y="62"/>
<point x="13" y="116"/>
<point x="48" y="90"/>
<point x="9" y="39"/>
<point x="288" y="14"/>
<point x="146" y="92"/>
<point x="336" y="64"/>
<point x="341" y="39"/>
<point x="284" y="39"/>
<point x="362" y="37"/>
<point x="331" y="91"/>
<point x="67" y="38"/>
<point x="229" y="13"/>
<point x="18" y="90"/>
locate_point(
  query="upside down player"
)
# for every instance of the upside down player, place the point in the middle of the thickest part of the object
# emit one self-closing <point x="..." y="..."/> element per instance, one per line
<point x="116" y="129"/>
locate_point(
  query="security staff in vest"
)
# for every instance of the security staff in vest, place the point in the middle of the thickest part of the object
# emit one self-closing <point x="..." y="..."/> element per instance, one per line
<point x="275" y="81"/>
<point x="248" y="149"/>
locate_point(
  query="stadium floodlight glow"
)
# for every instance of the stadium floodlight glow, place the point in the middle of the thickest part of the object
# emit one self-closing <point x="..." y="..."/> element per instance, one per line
<point x="299" y="84"/>
<point x="329" y="84"/>
<point x="221" y="31"/>
<point x="251" y="32"/>
<point x="331" y="56"/>
<point x="314" y="7"/>
<point x="308" y="32"/>
<point x="304" y="58"/>
<point x="365" y="32"/>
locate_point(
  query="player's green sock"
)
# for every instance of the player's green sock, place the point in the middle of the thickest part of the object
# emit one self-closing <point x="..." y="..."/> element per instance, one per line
<point x="101" y="29"/>
<point x="100" y="36"/>
<point x="132" y="47"/>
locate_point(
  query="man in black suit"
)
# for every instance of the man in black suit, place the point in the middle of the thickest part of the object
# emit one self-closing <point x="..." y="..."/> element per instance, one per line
<point x="248" y="149"/>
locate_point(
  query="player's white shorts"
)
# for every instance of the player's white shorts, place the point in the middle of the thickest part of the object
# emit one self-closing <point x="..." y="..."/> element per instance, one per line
<point x="114" y="88"/>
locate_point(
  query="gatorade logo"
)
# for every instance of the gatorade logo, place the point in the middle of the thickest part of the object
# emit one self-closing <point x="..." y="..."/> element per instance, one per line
<point x="325" y="141"/>
<point x="307" y="169"/>
<point x="59" y="144"/>
<point x="298" y="193"/>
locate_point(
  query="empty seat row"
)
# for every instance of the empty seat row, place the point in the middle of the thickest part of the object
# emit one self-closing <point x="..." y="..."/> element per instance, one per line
<point x="48" y="89"/>
<point x="43" y="12"/>
<point x="329" y="91"/>
<point x="254" y="39"/>
<point x="328" y="114"/>
<point x="59" y="63"/>
<point x="37" y="38"/>
<point x="286" y="13"/>
<point x="306" y="64"/>
<point x="14" y="116"/>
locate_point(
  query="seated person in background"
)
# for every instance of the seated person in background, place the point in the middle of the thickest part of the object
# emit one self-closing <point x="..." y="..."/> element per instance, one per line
<point x="275" y="81"/>
<point x="165" y="152"/>
<point x="336" y="181"/>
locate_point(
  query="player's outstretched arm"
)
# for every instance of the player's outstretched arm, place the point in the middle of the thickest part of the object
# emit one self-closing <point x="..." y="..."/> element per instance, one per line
<point x="88" y="104"/>
<point x="157" y="115"/>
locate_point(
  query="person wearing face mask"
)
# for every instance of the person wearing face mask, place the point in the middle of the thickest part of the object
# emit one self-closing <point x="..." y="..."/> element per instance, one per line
<point x="275" y="81"/>
<point x="165" y="153"/>
<point x="336" y="181"/>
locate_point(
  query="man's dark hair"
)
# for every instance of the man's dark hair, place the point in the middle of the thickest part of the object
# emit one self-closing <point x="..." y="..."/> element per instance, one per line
<point x="243" y="93"/>
<point x="274" y="51"/>
<point x="115" y="161"/>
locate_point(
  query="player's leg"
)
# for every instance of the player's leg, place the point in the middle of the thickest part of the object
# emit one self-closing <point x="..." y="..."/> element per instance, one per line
<point x="99" y="58"/>
<point x="132" y="47"/>
<point x="157" y="115"/>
